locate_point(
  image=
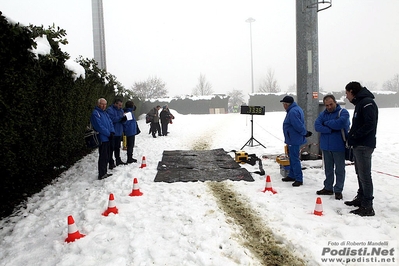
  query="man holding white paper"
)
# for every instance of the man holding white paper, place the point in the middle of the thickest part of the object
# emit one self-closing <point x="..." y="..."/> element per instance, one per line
<point x="130" y="129"/>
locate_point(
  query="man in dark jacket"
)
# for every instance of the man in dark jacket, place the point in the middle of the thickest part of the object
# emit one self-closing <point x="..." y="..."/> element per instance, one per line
<point x="362" y="137"/>
<point x="332" y="123"/>
<point x="294" y="136"/>
<point x="103" y="125"/>
<point x="165" y="117"/>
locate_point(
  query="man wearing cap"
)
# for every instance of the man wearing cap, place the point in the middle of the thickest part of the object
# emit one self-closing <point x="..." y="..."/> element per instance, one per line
<point x="294" y="136"/>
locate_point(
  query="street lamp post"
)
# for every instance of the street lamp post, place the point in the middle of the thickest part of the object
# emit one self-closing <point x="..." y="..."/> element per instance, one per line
<point x="250" y="20"/>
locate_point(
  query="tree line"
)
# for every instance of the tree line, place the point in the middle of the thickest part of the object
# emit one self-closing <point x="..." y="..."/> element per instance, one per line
<point x="44" y="109"/>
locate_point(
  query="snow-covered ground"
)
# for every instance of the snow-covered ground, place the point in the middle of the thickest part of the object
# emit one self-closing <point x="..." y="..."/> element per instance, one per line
<point x="182" y="223"/>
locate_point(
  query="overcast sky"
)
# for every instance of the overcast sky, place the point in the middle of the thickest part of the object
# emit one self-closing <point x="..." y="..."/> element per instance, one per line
<point x="177" y="40"/>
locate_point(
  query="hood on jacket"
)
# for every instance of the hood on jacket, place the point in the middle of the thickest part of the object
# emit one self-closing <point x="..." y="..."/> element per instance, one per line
<point x="364" y="93"/>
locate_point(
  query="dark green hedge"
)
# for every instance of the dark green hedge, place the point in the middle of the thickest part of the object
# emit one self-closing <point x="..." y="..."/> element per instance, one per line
<point x="43" y="110"/>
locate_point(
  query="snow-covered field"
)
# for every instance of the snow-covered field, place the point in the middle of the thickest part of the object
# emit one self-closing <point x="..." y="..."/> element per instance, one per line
<point x="182" y="223"/>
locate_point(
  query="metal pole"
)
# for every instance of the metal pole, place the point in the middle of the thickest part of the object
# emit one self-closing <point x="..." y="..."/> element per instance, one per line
<point x="250" y="20"/>
<point x="307" y="56"/>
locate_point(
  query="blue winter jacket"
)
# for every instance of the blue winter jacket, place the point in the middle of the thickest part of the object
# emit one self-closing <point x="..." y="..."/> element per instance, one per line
<point x="330" y="125"/>
<point x="102" y="123"/>
<point x="294" y="126"/>
<point x="116" y="115"/>
<point x="130" y="126"/>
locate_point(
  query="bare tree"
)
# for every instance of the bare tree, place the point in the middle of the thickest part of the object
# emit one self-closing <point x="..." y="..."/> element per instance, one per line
<point x="236" y="98"/>
<point x="392" y="85"/>
<point x="292" y="88"/>
<point x="269" y="84"/>
<point x="371" y="85"/>
<point x="153" y="88"/>
<point x="203" y="87"/>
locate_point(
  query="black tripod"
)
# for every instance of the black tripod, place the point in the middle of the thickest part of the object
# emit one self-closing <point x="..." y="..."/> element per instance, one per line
<point x="250" y="142"/>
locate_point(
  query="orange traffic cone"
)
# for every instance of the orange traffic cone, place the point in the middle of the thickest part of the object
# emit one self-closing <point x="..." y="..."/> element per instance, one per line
<point x="73" y="232"/>
<point x="268" y="186"/>
<point x="111" y="206"/>
<point x="136" y="190"/>
<point x="143" y="164"/>
<point x="318" y="210"/>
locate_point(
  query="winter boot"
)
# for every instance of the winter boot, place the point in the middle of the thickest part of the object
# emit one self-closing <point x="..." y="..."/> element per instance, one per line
<point x="355" y="202"/>
<point x="119" y="162"/>
<point x="130" y="159"/>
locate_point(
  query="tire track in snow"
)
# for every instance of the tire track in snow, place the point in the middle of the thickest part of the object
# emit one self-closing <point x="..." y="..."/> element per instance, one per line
<point x="255" y="235"/>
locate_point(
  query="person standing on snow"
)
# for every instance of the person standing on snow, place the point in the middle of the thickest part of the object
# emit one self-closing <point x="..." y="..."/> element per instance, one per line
<point x="362" y="137"/>
<point x="294" y="134"/>
<point x="131" y="130"/>
<point x="103" y="125"/>
<point x="166" y="118"/>
<point x="154" y="118"/>
<point x="118" y="117"/>
<point x="330" y="124"/>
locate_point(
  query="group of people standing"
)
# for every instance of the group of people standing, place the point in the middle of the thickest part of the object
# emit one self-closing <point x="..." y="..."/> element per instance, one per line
<point x="165" y="117"/>
<point x="111" y="123"/>
<point x="336" y="135"/>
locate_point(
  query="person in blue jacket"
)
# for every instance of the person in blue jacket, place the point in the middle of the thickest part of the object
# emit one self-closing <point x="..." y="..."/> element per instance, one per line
<point x="294" y="134"/>
<point x="332" y="123"/>
<point x="118" y="117"/>
<point x="103" y="125"/>
<point x="362" y="137"/>
<point x="130" y="129"/>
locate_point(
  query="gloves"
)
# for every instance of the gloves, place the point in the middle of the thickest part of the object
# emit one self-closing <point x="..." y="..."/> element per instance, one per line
<point x="308" y="134"/>
<point x="111" y="136"/>
<point x="124" y="118"/>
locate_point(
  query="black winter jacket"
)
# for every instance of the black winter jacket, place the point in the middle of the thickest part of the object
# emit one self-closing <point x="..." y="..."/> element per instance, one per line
<point x="364" y="122"/>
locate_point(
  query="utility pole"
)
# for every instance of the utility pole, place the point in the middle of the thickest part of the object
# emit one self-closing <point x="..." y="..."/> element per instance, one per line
<point x="250" y="20"/>
<point x="307" y="68"/>
<point x="98" y="33"/>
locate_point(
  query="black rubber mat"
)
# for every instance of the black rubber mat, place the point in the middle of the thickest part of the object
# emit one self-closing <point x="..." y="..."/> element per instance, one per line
<point x="190" y="165"/>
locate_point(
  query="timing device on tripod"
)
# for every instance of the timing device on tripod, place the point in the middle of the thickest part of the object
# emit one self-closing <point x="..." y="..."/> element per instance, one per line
<point x="252" y="110"/>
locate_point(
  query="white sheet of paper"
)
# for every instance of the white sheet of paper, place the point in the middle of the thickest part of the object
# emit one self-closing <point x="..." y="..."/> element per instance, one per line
<point x="129" y="116"/>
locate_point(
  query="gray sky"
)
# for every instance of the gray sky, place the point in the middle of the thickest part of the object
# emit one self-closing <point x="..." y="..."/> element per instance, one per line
<point x="177" y="40"/>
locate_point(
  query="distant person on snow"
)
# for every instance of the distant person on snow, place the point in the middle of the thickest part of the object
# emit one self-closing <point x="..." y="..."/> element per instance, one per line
<point x="166" y="118"/>
<point x="154" y="118"/>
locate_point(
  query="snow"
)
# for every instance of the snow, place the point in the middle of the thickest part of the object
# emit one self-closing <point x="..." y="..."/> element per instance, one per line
<point x="76" y="68"/>
<point x="181" y="223"/>
<point x="43" y="47"/>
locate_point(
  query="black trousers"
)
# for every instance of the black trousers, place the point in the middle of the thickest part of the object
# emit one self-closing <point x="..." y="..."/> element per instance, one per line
<point x="165" y="127"/>
<point x="115" y="149"/>
<point x="130" y="145"/>
<point x="103" y="158"/>
<point x="155" y="127"/>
